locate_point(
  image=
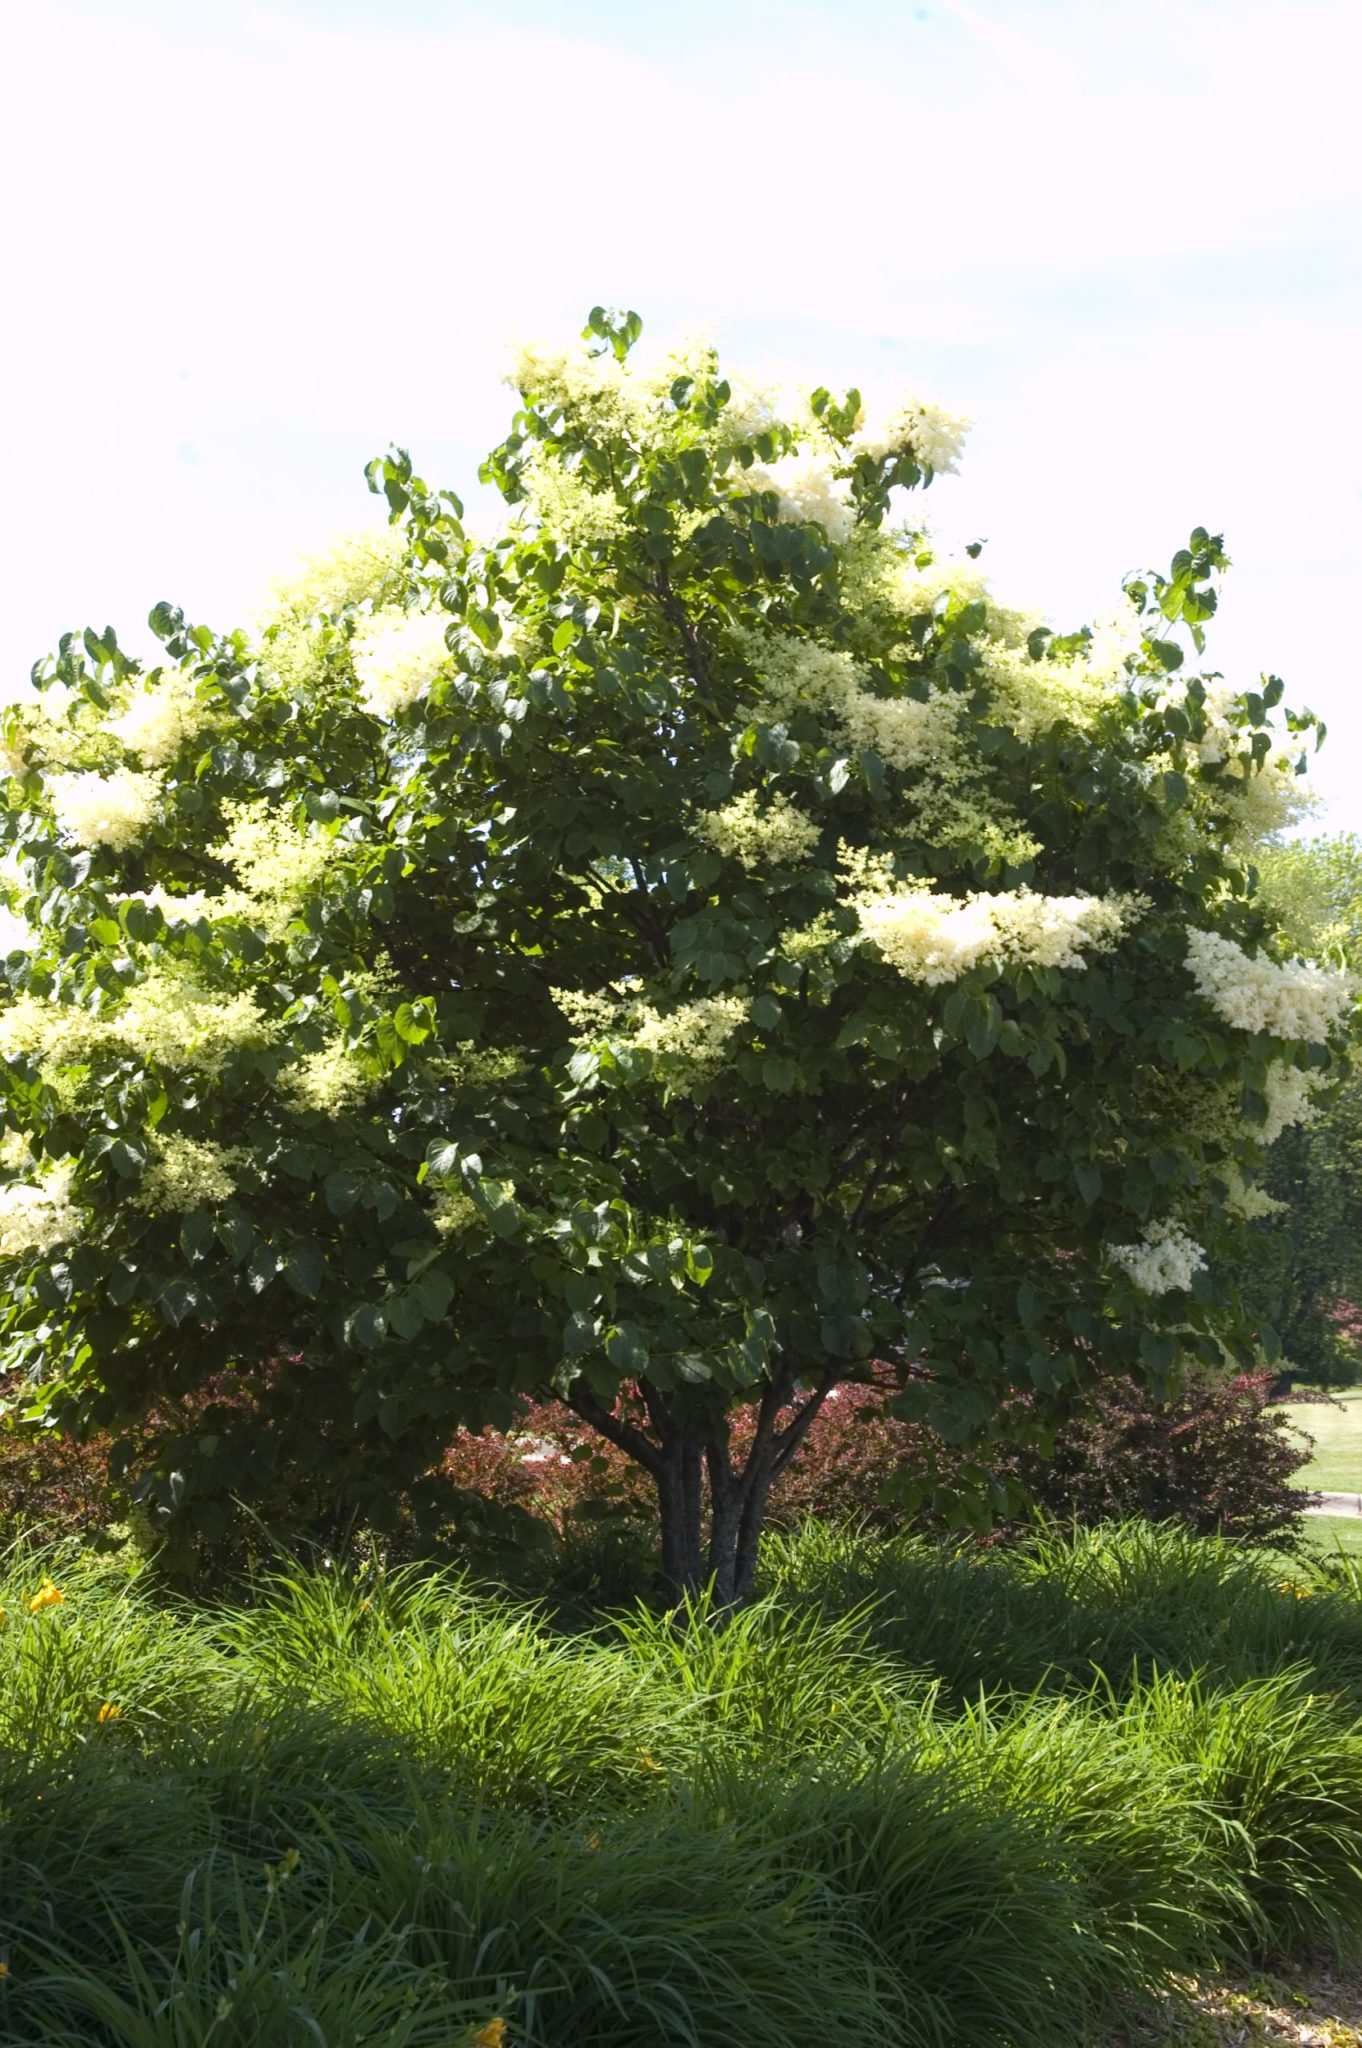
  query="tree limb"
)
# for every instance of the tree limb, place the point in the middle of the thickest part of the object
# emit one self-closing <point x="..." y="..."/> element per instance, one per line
<point x="623" y="1435"/>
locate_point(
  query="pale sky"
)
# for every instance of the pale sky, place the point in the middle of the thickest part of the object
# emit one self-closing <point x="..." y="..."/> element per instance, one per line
<point x="249" y="244"/>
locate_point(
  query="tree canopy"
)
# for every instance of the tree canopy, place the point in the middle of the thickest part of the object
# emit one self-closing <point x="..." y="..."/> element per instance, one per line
<point x="670" y="951"/>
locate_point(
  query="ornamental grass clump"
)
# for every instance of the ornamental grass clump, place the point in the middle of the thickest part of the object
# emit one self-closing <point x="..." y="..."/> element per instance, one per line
<point x="1065" y="1610"/>
<point x="398" y="1806"/>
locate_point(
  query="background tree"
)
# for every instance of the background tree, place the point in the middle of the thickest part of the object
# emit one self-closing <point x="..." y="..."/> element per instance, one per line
<point x="1301" y="1266"/>
<point x="685" y="946"/>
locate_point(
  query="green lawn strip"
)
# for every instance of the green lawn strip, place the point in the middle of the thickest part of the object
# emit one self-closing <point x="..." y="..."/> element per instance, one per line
<point x="1330" y="1533"/>
<point x="1336" y="1466"/>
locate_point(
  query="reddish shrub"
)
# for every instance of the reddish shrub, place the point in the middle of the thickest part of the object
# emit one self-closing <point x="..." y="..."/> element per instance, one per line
<point x="1217" y="1457"/>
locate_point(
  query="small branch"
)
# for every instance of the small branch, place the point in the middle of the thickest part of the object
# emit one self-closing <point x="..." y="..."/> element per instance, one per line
<point x="623" y="1435"/>
<point x="676" y="614"/>
<point x="788" y="1440"/>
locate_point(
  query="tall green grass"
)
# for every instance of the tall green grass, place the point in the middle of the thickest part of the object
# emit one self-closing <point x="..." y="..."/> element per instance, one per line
<point x="913" y="1795"/>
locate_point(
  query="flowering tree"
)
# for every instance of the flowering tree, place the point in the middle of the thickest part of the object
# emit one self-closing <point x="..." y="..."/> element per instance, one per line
<point x="687" y="945"/>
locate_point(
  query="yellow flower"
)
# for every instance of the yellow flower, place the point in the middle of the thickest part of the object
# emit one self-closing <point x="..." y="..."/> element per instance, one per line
<point x="109" y="1712"/>
<point x="491" y="2035"/>
<point x="47" y="1595"/>
<point x="648" y="1763"/>
<point x="4" y="1618"/>
<point x="4" y="1969"/>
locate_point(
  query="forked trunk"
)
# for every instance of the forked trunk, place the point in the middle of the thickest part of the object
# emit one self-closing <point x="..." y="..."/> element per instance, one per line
<point x="697" y="1481"/>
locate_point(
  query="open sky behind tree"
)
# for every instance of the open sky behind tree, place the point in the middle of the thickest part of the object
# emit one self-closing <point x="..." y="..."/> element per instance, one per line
<point x="249" y="245"/>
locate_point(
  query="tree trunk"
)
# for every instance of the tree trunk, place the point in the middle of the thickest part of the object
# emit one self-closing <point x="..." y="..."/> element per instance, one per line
<point x="681" y="1456"/>
<point x="680" y="1501"/>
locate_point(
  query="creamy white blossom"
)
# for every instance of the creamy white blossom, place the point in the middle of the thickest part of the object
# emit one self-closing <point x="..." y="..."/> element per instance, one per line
<point x="594" y="386"/>
<point x="1289" y="1093"/>
<point x="907" y="733"/>
<point x="188" y="1173"/>
<point x="927" y="432"/>
<point x="276" y="859"/>
<point x="105" y="810"/>
<point x="752" y="410"/>
<point x="806" y="489"/>
<point x="933" y="938"/>
<point x="333" y="1078"/>
<point x="758" y="835"/>
<point x="589" y="1012"/>
<point x="16" y="933"/>
<point x="353" y="568"/>
<point x="184" y="909"/>
<point x="1116" y="639"/>
<point x="1164" y="1260"/>
<point x="397" y="656"/>
<point x="691" y="1042"/>
<point x="159" y="716"/>
<point x="1288" y="999"/>
<point x="38" y="1214"/>
<point x="452" y="1211"/>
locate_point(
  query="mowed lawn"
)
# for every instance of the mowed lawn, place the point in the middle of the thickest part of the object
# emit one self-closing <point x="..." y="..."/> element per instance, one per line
<point x="1336" y="1466"/>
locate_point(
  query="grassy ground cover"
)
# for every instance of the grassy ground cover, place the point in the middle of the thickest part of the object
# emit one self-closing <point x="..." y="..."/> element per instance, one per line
<point x="1336" y="1466"/>
<point x="913" y="1796"/>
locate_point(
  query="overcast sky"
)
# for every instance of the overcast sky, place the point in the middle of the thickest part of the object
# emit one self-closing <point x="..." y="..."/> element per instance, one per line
<point x="248" y="245"/>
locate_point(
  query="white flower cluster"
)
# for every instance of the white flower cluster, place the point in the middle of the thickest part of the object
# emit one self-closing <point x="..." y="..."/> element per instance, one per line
<point x="752" y="410"/>
<point x="16" y="933"/>
<point x="175" y="1022"/>
<point x="1164" y="1260"/>
<point x="276" y="860"/>
<point x="14" y="746"/>
<point x="588" y="1013"/>
<point x="934" y="939"/>
<point x="397" y="655"/>
<point x="111" y="810"/>
<point x="189" y="1173"/>
<point x="38" y="1214"/>
<point x="1221" y="738"/>
<point x="569" y="505"/>
<point x="906" y="732"/>
<point x="333" y="1078"/>
<point x="1116" y="639"/>
<point x="596" y="387"/>
<point x="1263" y="797"/>
<point x="1035" y="695"/>
<point x="1289" y="1093"/>
<point x="759" y="837"/>
<point x="932" y="436"/>
<point x="806" y="489"/>
<point x="1290" y="999"/>
<point x="159" y="717"/>
<point x="691" y="1042"/>
<point x="452" y="1211"/>
<point x="353" y="569"/>
<point x="1270" y="800"/>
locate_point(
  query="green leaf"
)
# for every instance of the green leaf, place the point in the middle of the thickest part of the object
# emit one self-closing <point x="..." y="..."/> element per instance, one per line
<point x="626" y="1350"/>
<point x="433" y="1292"/>
<point x="342" y="1192"/>
<point x="305" y="1270"/>
<point x="365" y="1328"/>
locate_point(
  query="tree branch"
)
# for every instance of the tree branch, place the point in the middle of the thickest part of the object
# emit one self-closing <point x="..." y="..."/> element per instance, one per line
<point x="788" y="1440"/>
<point x="623" y="1435"/>
<point x="676" y="614"/>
